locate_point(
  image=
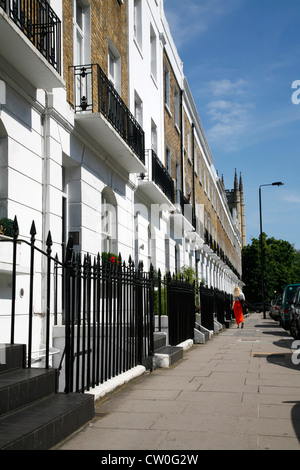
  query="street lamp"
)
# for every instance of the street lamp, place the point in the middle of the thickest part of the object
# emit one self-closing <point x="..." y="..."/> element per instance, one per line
<point x="277" y="183"/>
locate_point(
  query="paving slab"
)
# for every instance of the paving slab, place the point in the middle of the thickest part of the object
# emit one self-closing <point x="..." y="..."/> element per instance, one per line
<point x="238" y="391"/>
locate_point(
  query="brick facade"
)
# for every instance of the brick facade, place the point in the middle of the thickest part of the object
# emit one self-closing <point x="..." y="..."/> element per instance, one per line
<point x="172" y="132"/>
<point x="108" y="20"/>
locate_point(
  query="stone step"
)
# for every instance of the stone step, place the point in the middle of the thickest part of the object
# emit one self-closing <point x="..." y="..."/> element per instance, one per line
<point x="44" y="424"/>
<point x="159" y="340"/>
<point x="167" y="356"/>
<point x="21" y="387"/>
<point x="33" y="416"/>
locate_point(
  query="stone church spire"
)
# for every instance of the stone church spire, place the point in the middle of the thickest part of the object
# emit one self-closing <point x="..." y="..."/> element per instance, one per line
<point x="242" y="204"/>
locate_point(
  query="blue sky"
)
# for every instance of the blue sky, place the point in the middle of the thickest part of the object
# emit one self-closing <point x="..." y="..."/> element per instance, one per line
<point x="241" y="59"/>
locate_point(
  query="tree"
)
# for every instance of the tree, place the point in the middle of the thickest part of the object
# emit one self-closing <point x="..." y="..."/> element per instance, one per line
<point x="281" y="267"/>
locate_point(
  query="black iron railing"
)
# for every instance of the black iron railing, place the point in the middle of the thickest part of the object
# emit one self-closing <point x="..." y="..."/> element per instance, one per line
<point x="175" y="297"/>
<point x="40" y="24"/>
<point x="94" y="92"/>
<point x="112" y="304"/>
<point x="162" y="178"/>
<point x="214" y="304"/>
<point x="107" y="313"/>
<point x="186" y="208"/>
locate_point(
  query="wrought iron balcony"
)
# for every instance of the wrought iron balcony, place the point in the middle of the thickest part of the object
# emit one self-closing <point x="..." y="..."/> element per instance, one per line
<point x="157" y="183"/>
<point x="39" y="23"/>
<point x="187" y="209"/>
<point x="92" y="93"/>
<point x="162" y="178"/>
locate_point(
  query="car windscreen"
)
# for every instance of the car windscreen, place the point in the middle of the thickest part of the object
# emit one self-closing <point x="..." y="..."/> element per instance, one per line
<point x="290" y="292"/>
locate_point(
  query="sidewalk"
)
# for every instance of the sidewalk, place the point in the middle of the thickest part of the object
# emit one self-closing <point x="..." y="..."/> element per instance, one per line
<point x="239" y="391"/>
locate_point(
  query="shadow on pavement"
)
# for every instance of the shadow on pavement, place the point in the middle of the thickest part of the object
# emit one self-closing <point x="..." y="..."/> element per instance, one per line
<point x="295" y="417"/>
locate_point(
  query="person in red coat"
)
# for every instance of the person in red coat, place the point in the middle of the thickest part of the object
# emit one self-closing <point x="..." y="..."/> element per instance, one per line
<point x="237" y="306"/>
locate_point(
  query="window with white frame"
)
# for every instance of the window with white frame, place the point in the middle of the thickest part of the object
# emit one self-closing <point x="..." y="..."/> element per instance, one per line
<point x="168" y="159"/>
<point x="109" y="221"/>
<point x="196" y="160"/>
<point x="153" y="136"/>
<point x="81" y="31"/>
<point x="167" y="86"/>
<point x="177" y="175"/>
<point x="138" y="109"/>
<point x="189" y="146"/>
<point x="81" y="47"/>
<point x="114" y="66"/>
<point x="138" y="22"/>
<point x="200" y="169"/>
<point x="176" y="104"/>
<point x="153" y="50"/>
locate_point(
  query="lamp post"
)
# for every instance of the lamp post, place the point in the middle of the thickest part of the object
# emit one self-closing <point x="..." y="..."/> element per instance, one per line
<point x="277" y="183"/>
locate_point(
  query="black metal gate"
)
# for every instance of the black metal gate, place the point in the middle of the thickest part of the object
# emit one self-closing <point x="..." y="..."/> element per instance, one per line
<point x="207" y="307"/>
<point x="181" y="309"/>
<point x="111" y="304"/>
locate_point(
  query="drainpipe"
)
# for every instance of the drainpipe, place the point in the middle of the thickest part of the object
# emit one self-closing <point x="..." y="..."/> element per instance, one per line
<point x="181" y="141"/>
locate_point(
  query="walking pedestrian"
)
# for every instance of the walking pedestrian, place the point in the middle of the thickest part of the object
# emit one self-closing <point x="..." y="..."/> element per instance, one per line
<point x="237" y="306"/>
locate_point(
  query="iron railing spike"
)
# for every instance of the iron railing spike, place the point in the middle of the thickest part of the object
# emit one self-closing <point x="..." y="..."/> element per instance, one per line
<point x="33" y="230"/>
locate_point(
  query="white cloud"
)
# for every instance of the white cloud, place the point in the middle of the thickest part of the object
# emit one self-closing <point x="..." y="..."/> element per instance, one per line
<point x="227" y="87"/>
<point x="292" y="199"/>
<point x="191" y="18"/>
<point x="230" y="120"/>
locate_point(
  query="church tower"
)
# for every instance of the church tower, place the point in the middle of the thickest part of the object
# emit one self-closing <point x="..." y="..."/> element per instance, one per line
<point x="243" y="219"/>
<point x="236" y="203"/>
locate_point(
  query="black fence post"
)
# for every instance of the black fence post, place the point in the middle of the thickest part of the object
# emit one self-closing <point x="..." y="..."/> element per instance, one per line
<point x="14" y="274"/>
<point x="159" y="299"/>
<point x="68" y="349"/>
<point x="49" y="250"/>
<point x="139" y="317"/>
<point x="32" y="241"/>
<point x="151" y="313"/>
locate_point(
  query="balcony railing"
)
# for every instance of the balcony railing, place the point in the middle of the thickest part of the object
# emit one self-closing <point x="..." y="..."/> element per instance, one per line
<point x="39" y="23"/>
<point x="93" y="92"/>
<point x="162" y="178"/>
<point x="186" y="208"/>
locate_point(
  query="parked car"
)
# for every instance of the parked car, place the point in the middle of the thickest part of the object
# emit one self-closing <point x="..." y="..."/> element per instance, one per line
<point x="287" y="297"/>
<point x="274" y="311"/>
<point x="295" y="315"/>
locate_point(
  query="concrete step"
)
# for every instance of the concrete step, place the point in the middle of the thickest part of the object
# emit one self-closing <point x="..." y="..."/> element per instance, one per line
<point x="21" y="387"/>
<point x="159" y="340"/>
<point x="42" y="425"/>
<point x="167" y="356"/>
<point x="12" y="356"/>
<point x="33" y="416"/>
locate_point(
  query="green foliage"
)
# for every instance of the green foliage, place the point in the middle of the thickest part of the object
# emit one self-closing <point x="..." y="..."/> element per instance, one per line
<point x="186" y="273"/>
<point x="113" y="258"/>
<point x="163" y="302"/>
<point x="6" y="227"/>
<point x="281" y="267"/>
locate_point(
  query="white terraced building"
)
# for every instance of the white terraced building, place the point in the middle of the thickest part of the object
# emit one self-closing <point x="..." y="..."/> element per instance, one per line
<point x="100" y="139"/>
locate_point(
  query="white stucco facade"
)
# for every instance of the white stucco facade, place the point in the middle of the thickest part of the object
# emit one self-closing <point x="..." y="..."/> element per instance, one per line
<point x="53" y="170"/>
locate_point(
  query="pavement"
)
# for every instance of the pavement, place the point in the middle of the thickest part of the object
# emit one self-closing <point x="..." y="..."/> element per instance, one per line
<point x="238" y="391"/>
